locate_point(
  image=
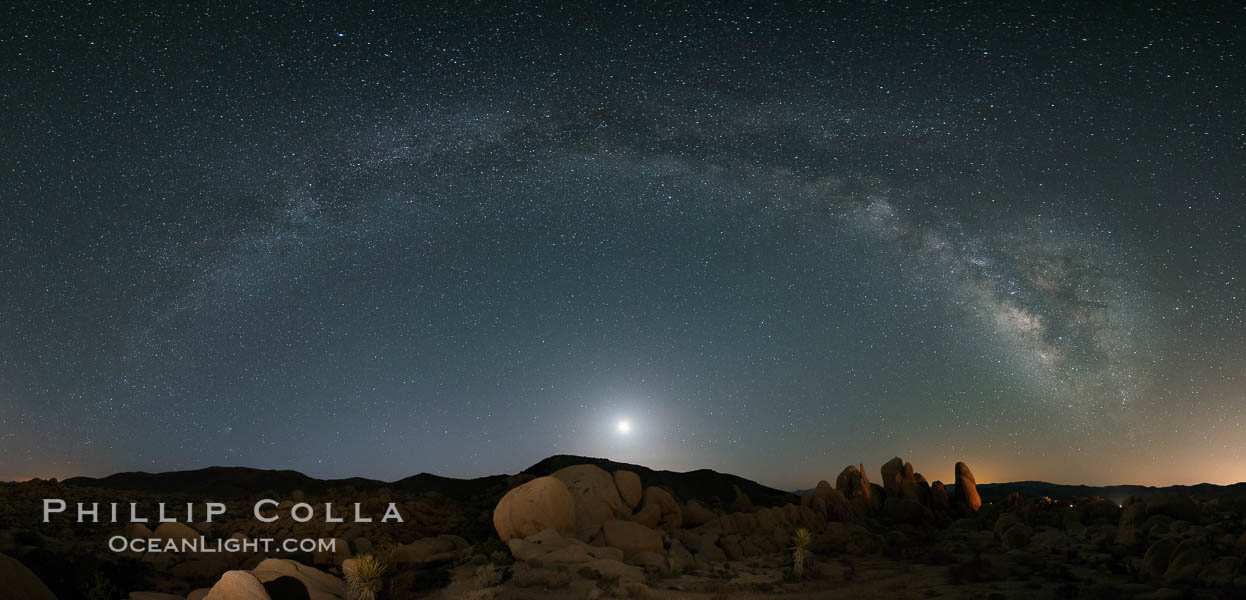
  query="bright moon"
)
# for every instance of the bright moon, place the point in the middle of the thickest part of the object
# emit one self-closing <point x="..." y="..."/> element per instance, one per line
<point x="625" y="427"/>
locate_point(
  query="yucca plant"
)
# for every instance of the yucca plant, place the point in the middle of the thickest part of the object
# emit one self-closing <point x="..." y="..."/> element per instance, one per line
<point x="800" y="547"/>
<point x="101" y="588"/>
<point x="363" y="577"/>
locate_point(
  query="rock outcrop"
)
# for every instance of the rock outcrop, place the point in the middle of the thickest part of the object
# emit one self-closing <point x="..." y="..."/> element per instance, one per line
<point x="892" y="480"/>
<point x="828" y="502"/>
<point x="853" y="483"/>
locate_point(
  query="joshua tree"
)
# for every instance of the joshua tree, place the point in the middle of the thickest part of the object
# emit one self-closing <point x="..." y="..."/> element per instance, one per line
<point x="800" y="547"/>
<point x="364" y="577"/>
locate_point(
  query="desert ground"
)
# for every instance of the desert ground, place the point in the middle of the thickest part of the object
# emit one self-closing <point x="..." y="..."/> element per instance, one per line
<point x="572" y="527"/>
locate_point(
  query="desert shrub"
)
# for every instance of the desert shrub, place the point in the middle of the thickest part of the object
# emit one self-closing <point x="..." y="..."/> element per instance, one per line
<point x="975" y="570"/>
<point x="607" y="582"/>
<point x="638" y="591"/>
<point x="101" y="588"/>
<point x="491" y="545"/>
<point x="364" y="579"/>
<point x="487" y="576"/>
<point x="671" y="572"/>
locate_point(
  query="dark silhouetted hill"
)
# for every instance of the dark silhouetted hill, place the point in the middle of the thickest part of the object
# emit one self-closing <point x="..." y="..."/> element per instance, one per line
<point x="223" y="482"/>
<point x="1116" y="493"/>
<point x="707" y="486"/>
<point x="704" y="485"/>
<point x="460" y="489"/>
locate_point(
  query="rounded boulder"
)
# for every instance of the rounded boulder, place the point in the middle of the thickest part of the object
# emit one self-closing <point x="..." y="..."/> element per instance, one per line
<point x="672" y="516"/>
<point x="631" y="538"/>
<point x="543" y="503"/>
<point x="629" y="487"/>
<point x="237" y="585"/>
<point x="20" y="583"/>
<point x="595" y="495"/>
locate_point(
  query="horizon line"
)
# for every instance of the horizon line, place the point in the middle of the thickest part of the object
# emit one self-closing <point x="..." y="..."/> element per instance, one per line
<point x="520" y="471"/>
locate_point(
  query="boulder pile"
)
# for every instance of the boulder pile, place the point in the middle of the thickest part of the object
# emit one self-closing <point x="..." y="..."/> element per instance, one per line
<point x="584" y="514"/>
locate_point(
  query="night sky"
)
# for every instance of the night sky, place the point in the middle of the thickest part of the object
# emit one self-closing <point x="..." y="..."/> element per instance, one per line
<point x="379" y="241"/>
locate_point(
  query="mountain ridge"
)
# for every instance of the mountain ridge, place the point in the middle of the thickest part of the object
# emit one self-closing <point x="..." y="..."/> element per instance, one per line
<point x="703" y="484"/>
<point x="706" y="485"/>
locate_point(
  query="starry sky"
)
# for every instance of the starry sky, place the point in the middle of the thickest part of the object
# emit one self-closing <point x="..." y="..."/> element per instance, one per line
<point x="385" y="239"/>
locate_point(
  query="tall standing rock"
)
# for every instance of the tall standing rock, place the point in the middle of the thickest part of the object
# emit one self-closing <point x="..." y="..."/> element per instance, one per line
<point x="742" y="502"/>
<point x="893" y="477"/>
<point x="899" y="481"/>
<point x="827" y="502"/>
<point x="965" y="497"/>
<point x="919" y="490"/>
<point x="938" y="497"/>
<point x="853" y="483"/>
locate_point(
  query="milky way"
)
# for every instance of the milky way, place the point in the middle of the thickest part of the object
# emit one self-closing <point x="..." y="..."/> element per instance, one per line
<point x="775" y="243"/>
